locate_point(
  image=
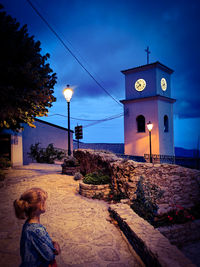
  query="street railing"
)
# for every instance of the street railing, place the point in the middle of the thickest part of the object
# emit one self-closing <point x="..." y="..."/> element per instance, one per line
<point x="188" y="162"/>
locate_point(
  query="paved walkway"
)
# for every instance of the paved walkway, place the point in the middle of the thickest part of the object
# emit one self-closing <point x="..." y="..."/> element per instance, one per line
<point x="81" y="226"/>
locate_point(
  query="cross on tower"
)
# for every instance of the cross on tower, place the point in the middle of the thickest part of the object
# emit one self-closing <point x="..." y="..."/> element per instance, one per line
<point x="148" y="52"/>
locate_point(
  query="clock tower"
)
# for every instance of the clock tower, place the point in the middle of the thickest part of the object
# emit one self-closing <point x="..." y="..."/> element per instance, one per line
<point x="148" y="98"/>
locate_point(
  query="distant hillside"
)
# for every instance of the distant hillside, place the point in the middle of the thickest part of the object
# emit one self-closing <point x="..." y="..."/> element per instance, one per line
<point x="119" y="148"/>
<point x="183" y="152"/>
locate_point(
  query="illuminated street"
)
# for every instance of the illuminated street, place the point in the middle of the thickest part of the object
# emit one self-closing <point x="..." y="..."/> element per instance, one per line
<point x="81" y="226"/>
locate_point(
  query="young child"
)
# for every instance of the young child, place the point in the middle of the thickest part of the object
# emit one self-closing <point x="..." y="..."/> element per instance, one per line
<point x="36" y="247"/>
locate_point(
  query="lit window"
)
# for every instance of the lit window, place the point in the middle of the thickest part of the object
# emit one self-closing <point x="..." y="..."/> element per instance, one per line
<point x="166" y="124"/>
<point x="140" y="124"/>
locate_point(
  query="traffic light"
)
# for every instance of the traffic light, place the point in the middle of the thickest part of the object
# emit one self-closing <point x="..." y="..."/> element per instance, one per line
<point x="79" y="132"/>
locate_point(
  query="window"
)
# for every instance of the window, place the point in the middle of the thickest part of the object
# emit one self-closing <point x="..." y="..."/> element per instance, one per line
<point x="140" y="124"/>
<point x="166" y="124"/>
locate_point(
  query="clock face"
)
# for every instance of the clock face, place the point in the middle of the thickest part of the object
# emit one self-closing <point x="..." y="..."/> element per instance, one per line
<point x="140" y="84"/>
<point x="163" y="84"/>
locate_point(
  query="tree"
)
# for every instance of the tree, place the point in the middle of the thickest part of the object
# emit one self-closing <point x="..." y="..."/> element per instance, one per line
<point x="26" y="80"/>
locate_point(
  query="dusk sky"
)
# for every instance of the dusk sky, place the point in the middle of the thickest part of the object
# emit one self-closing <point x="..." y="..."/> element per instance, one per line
<point x="108" y="36"/>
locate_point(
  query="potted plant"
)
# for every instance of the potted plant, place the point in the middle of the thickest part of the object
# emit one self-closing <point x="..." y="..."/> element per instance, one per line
<point x="95" y="185"/>
<point x="70" y="166"/>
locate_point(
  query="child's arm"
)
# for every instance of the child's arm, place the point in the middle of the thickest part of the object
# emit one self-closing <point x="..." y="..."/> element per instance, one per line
<point x="57" y="248"/>
<point x="43" y="243"/>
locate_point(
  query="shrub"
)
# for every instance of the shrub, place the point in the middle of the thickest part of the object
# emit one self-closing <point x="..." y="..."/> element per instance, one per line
<point x="96" y="178"/>
<point x="145" y="206"/>
<point x="145" y="202"/>
<point x="45" y="155"/>
<point x="70" y="161"/>
<point x="178" y="215"/>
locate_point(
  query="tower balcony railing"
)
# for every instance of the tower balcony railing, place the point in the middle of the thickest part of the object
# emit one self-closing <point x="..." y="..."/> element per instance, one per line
<point x="188" y="162"/>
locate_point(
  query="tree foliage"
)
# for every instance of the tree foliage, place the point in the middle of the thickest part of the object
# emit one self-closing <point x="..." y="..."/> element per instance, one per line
<point x="26" y="80"/>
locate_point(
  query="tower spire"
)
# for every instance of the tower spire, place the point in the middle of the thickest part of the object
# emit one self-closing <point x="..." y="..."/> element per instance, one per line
<point x="148" y="52"/>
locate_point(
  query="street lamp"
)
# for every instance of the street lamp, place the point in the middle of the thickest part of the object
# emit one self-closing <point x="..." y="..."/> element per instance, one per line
<point x="150" y="127"/>
<point x="68" y="92"/>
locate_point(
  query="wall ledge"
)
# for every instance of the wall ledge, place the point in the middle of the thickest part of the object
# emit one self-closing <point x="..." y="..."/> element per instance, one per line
<point x="153" y="248"/>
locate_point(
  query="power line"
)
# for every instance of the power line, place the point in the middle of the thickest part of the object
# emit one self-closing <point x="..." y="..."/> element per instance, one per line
<point x="78" y="119"/>
<point x="94" y="121"/>
<point x="70" y="51"/>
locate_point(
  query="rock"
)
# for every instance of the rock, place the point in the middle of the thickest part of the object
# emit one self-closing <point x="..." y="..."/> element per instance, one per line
<point x="125" y="201"/>
<point x="78" y="176"/>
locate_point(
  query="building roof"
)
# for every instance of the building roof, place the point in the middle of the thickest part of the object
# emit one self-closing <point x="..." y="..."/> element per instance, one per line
<point x="156" y="64"/>
<point x="53" y="125"/>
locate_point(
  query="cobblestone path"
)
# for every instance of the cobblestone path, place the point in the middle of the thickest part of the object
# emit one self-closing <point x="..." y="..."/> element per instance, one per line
<point x="81" y="226"/>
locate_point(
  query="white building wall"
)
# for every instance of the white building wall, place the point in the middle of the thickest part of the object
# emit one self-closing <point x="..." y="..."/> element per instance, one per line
<point x="15" y="147"/>
<point x="16" y="150"/>
<point x="137" y="143"/>
<point x="45" y="134"/>
<point x="166" y="139"/>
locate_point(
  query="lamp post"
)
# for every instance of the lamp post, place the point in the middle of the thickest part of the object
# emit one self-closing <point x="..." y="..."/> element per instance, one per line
<point x="68" y="92"/>
<point x="150" y="127"/>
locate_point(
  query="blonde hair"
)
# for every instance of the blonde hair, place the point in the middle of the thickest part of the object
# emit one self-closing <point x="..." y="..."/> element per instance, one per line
<point x="29" y="202"/>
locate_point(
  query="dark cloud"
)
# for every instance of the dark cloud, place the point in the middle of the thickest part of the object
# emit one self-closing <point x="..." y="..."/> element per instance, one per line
<point x="109" y="36"/>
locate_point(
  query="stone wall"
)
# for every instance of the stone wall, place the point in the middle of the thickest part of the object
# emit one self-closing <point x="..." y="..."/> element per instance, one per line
<point x="181" y="185"/>
<point x="94" y="191"/>
<point x="182" y="234"/>
<point x="93" y="160"/>
<point x="153" y="248"/>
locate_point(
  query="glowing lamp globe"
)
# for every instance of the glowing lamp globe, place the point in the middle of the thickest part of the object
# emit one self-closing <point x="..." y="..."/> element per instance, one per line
<point x="68" y="92"/>
<point x="150" y="126"/>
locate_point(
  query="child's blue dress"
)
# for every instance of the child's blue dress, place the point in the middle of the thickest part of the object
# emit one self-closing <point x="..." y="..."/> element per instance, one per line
<point x="36" y="247"/>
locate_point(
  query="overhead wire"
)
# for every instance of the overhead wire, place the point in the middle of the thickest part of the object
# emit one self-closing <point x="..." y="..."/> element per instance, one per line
<point x="78" y="119"/>
<point x="93" y="121"/>
<point x="70" y="51"/>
